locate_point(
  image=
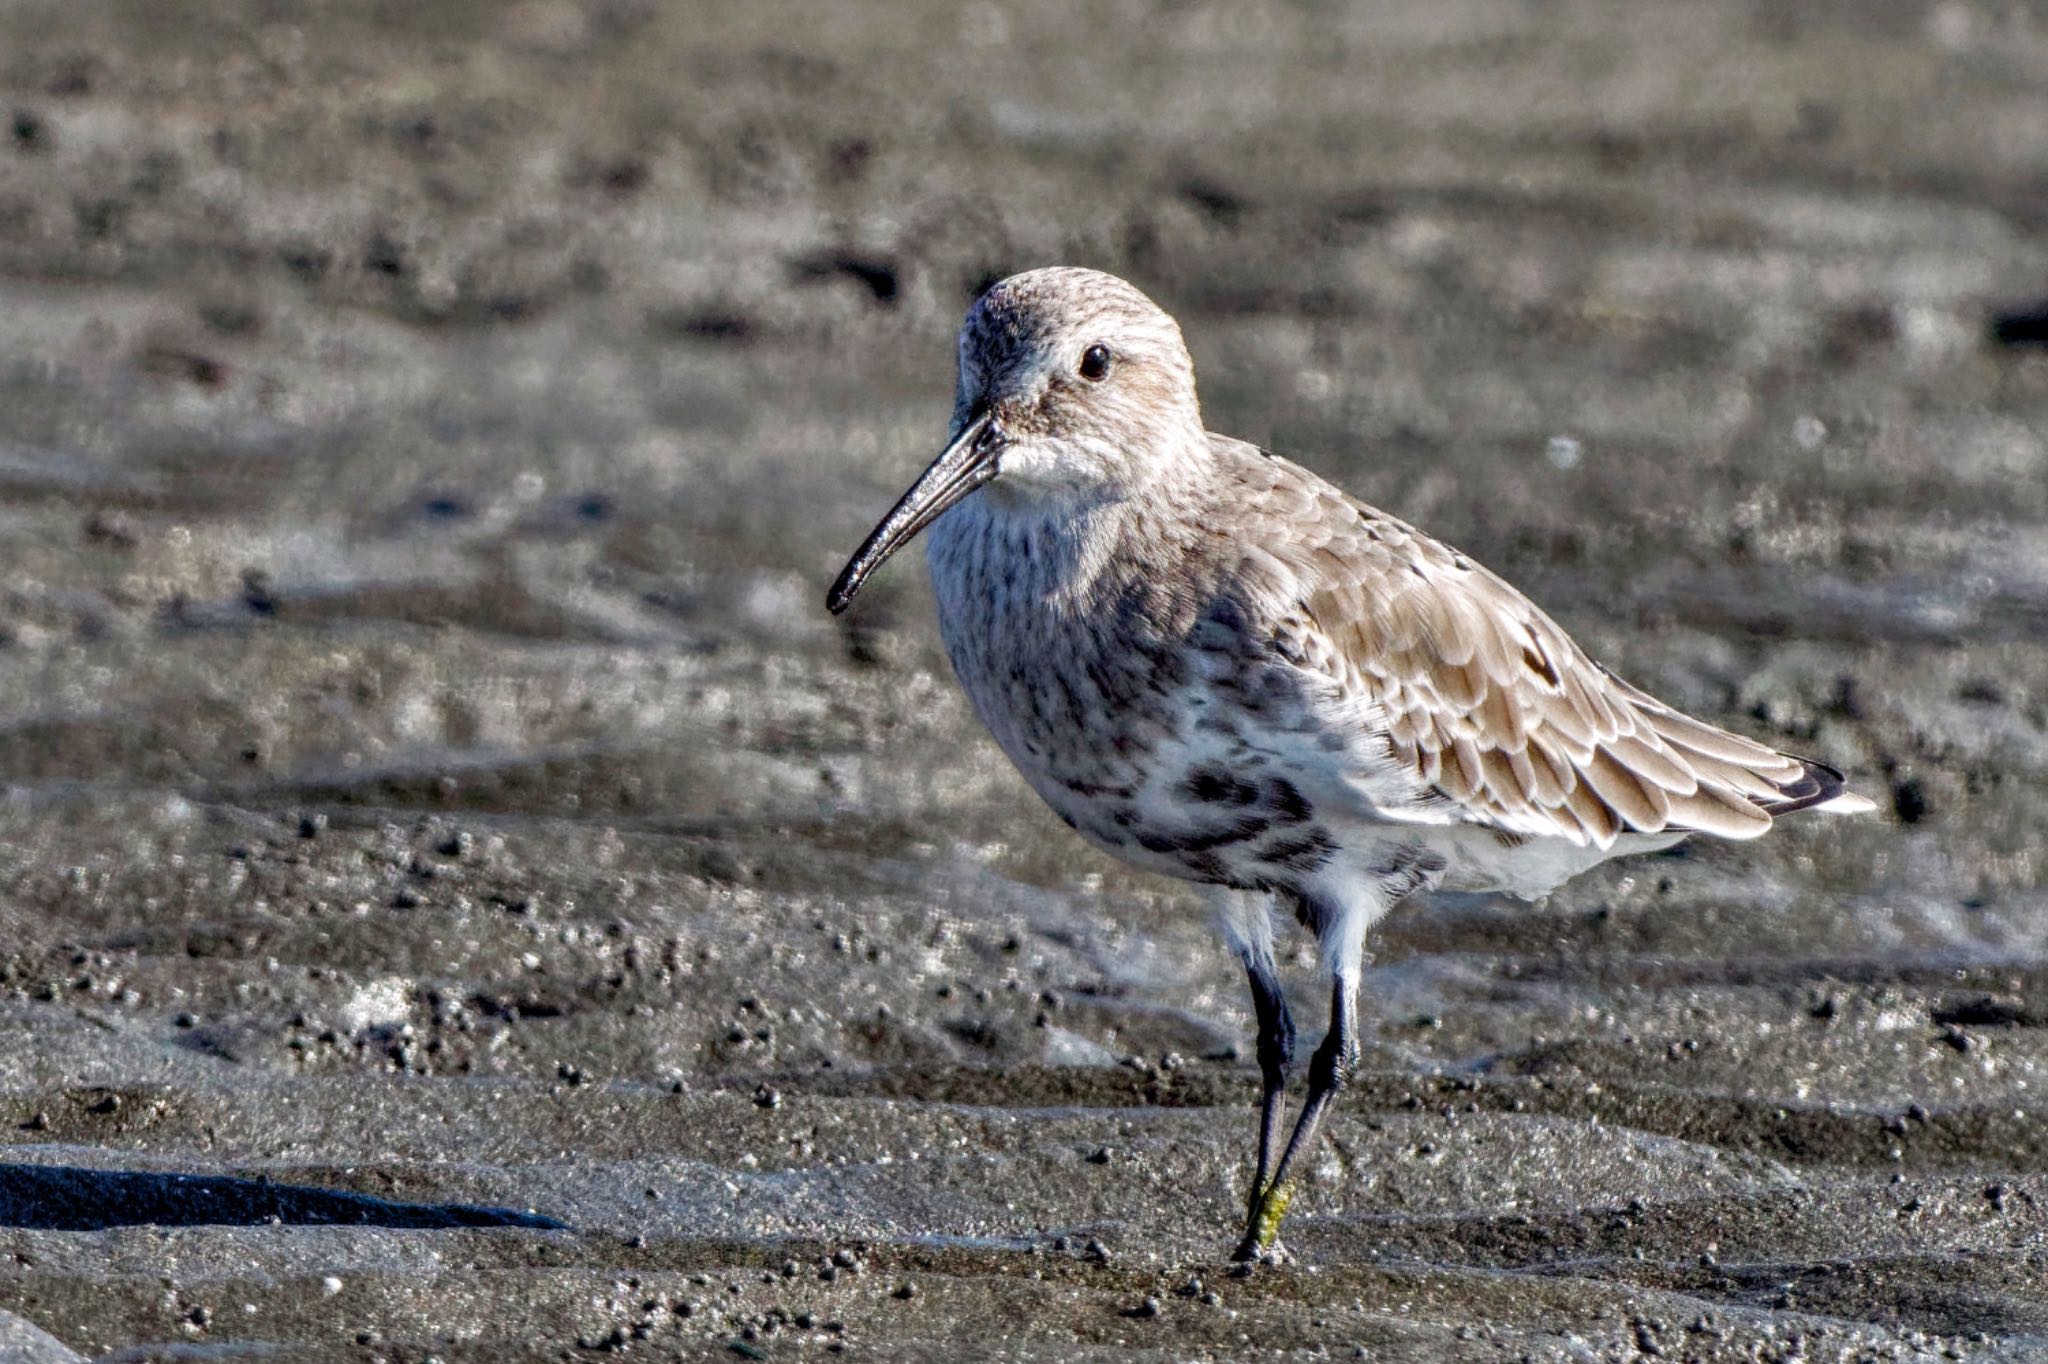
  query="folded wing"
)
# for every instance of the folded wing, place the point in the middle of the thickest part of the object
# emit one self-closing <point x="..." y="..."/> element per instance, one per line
<point x="1497" y="713"/>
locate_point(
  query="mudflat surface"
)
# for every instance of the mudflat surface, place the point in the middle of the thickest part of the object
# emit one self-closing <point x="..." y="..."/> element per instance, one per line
<point x="463" y="898"/>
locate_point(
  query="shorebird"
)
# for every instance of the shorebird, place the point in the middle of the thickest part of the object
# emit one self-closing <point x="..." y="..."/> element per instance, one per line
<point x="1213" y="664"/>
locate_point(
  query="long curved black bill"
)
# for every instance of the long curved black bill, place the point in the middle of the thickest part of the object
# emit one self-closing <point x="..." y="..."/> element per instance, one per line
<point x="965" y="465"/>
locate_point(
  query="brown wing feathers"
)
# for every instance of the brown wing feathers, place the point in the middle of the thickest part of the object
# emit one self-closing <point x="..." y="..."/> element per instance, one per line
<point x="1493" y="705"/>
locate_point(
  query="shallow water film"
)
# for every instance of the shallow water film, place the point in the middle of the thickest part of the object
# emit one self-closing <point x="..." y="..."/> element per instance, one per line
<point x="464" y="899"/>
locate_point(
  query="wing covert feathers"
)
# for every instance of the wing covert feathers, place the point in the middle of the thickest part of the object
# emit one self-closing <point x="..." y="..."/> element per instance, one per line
<point x="1492" y="706"/>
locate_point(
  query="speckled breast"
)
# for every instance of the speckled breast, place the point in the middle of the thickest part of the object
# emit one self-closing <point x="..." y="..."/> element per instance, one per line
<point x="1134" y="713"/>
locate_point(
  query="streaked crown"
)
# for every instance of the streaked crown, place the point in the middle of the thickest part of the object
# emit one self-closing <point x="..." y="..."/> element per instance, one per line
<point x="1088" y="377"/>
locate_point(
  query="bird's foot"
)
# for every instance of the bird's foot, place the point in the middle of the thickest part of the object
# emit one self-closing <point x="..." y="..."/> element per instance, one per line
<point x="1261" y="1243"/>
<point x="1246" y="1259"/>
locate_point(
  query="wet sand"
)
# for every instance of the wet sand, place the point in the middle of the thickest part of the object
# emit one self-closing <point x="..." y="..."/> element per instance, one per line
<point x="464" y="899"/>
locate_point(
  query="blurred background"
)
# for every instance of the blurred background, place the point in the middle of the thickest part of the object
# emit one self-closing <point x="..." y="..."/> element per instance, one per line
<point x="427" y="431"/>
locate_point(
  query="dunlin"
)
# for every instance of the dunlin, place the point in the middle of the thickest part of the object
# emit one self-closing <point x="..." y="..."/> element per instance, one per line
<point x="1213" y="664"/>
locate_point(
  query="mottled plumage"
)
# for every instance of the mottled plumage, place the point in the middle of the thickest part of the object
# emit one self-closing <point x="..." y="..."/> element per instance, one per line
<point x="1213" y="664"/>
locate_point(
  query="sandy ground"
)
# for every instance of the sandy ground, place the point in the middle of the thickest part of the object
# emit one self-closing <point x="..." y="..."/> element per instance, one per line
<point x="464" y="900"/>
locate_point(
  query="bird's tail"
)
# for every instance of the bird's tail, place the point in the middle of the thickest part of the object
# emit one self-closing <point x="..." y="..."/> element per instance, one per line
<point x="1817" y="787"/>
<point x="1743" y="785"/>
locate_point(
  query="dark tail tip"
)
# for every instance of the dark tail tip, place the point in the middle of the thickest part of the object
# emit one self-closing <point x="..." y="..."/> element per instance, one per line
<point x="1817" y="785"/>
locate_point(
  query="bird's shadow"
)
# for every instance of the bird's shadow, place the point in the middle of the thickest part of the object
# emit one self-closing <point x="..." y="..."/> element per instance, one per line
<point x="71" y="1198"/>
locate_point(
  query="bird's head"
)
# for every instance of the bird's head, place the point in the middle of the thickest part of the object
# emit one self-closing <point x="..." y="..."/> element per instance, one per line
<point x="1072" y="385"/>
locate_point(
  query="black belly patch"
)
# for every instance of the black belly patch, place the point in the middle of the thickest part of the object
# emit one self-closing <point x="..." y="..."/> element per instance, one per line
<point x="1216" y="786"/>
<point x="1203" y="840"/>
<point x="1279" y="800"/>
<point x="1287" y="804"/>
<point x="1407" y="870"/>
<point x="1300" y="853"/>
<point x="1089" y="790"/>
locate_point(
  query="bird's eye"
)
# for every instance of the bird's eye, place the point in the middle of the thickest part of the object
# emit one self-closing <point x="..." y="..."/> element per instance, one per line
<point x="1095" y="363"/>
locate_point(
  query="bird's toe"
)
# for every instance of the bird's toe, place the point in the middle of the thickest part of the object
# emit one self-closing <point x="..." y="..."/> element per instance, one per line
<point x="1248" y="1256"/>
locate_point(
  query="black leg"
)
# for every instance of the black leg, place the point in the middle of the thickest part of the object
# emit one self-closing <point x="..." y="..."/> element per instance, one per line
<point x="1328" y="1071"/>
<point x="1276" y="1056"/>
